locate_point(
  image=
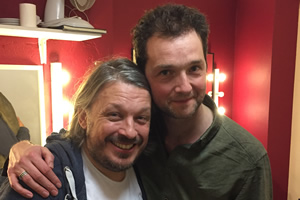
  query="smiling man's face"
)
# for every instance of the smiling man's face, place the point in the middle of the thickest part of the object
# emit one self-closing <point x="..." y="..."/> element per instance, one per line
<point x="176" y="71"/>
<point x="117" y="126"/>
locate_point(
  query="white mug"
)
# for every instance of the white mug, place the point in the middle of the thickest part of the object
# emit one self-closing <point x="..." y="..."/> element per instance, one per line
<point x="27" y="14"/>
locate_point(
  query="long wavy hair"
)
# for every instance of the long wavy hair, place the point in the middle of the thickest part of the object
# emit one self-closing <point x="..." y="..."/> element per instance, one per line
<point x="114" y="70"/>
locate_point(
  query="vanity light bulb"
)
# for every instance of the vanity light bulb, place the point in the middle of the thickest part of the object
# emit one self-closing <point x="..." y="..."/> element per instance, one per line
<point x="67" y="106"/>
<point x="65" y="77"/>
<point x="210" y="77"/>
<point x="222" y="77"/>
<point x="221" y="110"/>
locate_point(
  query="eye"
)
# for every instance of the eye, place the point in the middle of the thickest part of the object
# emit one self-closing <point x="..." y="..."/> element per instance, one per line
<point x="195" y="68"/>
<point x="164" y="72"/>
<point x="114" y="116"/>
<point x="143" y="119"/>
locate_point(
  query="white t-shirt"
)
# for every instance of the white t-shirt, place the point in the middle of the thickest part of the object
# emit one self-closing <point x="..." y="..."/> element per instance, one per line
<point x="98" y="186"/>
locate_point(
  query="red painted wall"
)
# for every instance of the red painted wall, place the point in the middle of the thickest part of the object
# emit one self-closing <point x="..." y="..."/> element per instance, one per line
<point x="253" y="53"/>
<point x="265" y="49"/>
<point x="248" y="47"/>
<point x="111" y="15"/>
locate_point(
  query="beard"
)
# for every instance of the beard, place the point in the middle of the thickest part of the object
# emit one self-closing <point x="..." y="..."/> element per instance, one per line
<point x="118" y="161"/>
<point x="109" y="164"/>
<point x="179" y="113"/>
<point x="105" y="161"/>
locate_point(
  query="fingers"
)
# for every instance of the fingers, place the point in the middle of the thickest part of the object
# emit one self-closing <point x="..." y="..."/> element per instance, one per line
<point x="36" y="187"/>
<point x="30" y="158"/>
<point x="48" y="157"/>
<point x="34" y="180"/>
<point x="20" y="122"/>
<point x="14" y="183"/>
<point x="46" y="178"/>
<point x="53" y="179"/>
<point x="40" y="176"/>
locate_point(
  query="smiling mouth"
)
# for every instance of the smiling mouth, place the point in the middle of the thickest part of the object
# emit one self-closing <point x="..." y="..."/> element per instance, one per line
<point x="123" y="146"/>
<point x="182" y="100"/>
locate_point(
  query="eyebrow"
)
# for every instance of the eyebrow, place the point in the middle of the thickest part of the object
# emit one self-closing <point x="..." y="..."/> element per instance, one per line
<point x="145" y="109"/>
<point x="163" y="66"/>
<point x="200" y="62"/>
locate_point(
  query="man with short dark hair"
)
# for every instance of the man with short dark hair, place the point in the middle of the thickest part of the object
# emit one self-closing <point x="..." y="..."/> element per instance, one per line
<point x="199" y="154"/>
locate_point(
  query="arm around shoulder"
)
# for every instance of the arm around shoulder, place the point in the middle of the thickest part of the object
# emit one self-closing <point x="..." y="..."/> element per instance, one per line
<point x="37" y="161"/>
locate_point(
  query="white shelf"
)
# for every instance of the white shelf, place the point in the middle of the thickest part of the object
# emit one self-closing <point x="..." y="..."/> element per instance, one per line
<point x="46" y="33"/>
<point x="43" y="34"/>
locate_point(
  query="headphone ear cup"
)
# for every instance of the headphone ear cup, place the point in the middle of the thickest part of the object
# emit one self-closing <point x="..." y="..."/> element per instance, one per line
<point x="82" y="5"/>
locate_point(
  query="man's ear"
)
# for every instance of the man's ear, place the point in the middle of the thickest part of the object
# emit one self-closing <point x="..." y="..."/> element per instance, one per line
<point x="82" y="119"/>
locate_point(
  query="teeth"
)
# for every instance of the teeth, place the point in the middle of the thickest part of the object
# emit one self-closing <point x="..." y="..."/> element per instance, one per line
<point x="124" y="146"/>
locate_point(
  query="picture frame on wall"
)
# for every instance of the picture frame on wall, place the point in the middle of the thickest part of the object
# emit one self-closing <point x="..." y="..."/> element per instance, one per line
<point x="23" y="86"/>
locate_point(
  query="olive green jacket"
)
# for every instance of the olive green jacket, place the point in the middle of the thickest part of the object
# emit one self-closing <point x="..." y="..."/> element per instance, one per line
<point x="226" y="163"/>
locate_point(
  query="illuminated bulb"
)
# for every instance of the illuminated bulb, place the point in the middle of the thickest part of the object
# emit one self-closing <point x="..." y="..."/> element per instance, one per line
<point x="222" y="77"/>
<point x="56" y="96"/>
<point x="221" y="110"/>
<point x="65" y="77"/>
<point x="221" y="94"/>
<point x="210" y="93"/>
<point x="210" y="77"/>
<point x="67" y="106"/>
<point x="68" y="110"/>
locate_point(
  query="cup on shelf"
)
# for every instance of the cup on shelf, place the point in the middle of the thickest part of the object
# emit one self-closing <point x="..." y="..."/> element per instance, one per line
<point x="27" y="14"/>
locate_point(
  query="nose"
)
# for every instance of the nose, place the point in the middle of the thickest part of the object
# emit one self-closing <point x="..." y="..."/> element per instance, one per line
<point x="128" y="129"/>
<point x="183" y="84"/>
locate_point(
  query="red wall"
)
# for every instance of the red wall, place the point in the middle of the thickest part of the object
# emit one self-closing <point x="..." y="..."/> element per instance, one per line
<point x="251" y="88"/>
<point x="253" y="42"/>
<point x="265" y="50"/>
<point x="111" y="15"/>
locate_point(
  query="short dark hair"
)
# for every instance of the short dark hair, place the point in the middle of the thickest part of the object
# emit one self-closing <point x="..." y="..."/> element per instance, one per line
<point x="170" y="20"/>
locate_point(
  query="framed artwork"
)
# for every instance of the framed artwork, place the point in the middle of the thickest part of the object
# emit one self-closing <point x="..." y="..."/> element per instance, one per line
<point x="23" y="86"/>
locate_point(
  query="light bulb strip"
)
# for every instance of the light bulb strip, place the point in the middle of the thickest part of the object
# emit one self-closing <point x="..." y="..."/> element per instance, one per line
<point x="215" y="93"/>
